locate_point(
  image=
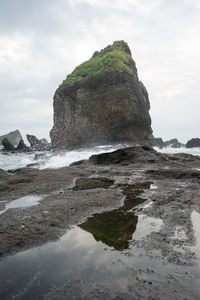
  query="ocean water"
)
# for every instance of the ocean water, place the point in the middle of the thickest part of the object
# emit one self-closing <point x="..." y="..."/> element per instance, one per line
<point x="170" y="150"/>
<point x="62" y="159"/>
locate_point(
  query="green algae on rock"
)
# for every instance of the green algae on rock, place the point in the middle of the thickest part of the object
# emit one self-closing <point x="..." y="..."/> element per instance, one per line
<point x="116" y="227"/>
<point x="102" y="101"/>
<point x="114" y="57"/>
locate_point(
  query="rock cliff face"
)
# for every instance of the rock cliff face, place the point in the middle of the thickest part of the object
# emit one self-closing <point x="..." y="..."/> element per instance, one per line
<point x="101" y="101"/>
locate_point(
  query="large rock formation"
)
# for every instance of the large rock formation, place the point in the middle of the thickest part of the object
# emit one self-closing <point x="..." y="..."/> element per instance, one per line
<point x="13" y="136"/>
<point x="101" y="101"/>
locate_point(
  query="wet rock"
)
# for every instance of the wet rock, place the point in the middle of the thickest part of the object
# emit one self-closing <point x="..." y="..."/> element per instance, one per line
<point x="92" y="183"/>
<point x="8" y="146"/>
<point x="184" y="158"/>
<point x="151" y="142"/>
<point x="129" y="155"/>
<point x="40" y="156"/>
<point x="33" y="165"/>
<point x="193" y="143"/>
<point x="22" y="146"/>
<point x="174" y="143"/>
<point x="33" y="140"/>
<point x="112" y="208"/>
<point x="174" y="173"/>
<point x="36" y="144"/>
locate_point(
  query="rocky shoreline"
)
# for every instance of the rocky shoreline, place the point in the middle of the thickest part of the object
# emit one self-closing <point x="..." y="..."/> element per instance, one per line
<point x="102" y="183"/>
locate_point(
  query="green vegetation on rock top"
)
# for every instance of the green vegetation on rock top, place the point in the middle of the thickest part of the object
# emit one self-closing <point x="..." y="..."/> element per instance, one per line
<point x="114" y="57"/>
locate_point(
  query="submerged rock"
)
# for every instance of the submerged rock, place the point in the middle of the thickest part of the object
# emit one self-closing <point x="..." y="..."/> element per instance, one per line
<point x="8" y="145"/>
<point x="193" y="143"/>
<point x="13" y="136"/>
<point x="40" y="156"/>
<point x="101" y="101"/>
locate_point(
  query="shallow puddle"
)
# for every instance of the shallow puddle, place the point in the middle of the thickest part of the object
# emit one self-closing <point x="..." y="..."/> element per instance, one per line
<point x="27" y="201"/>
<point x="94" y="251"/>
<point x="146" y="225"/>
<point x="32" y="273"/>
<point x="98" y="259"/>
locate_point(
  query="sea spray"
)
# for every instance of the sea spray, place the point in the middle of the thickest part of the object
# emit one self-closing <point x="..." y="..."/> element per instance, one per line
<point x="62" y="159"/>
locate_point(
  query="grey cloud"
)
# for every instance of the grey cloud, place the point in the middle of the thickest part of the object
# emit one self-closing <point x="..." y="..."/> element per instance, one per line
<point x="42" y="41"/>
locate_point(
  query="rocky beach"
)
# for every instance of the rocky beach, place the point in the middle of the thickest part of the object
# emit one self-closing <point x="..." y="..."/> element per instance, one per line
<point x="98" y="213"/>
<point x="106" y="196"/>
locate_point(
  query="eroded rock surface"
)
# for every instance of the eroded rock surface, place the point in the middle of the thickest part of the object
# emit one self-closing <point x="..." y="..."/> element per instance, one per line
<point x="113" y="186"/>
<point x="101" y="102"/>
<point x="36" y="144"/>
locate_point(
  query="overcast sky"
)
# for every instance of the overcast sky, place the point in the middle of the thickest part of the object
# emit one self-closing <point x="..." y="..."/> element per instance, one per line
<point x="41" y="41"/>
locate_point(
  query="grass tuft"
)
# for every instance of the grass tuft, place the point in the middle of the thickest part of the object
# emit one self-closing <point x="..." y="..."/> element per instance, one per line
<point x="114" y="57"/>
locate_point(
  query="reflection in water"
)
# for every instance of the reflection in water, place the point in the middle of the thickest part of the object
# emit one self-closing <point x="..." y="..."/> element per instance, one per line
<point x="115" y="228"/>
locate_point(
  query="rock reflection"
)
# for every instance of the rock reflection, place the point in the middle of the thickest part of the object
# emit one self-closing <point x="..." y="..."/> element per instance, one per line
<point x="115" y="228"/>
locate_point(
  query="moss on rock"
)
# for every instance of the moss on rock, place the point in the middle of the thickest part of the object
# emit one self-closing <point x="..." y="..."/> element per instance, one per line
<point x="114" y="57"/>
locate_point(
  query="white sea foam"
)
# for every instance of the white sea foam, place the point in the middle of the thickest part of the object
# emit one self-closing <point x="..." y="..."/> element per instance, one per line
<point x="66" y="158"/>
<point x="170" y="150"/>
<point x="16" y="160"/>
<point x="20" y="160"/>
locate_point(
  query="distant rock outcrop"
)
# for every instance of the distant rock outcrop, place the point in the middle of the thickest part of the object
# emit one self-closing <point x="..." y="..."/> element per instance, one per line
<point x="174" y="143"/>
<point x="14" y="137"/>
<point x="22" y="146"/>
<point x="101" y="101"/>
<point x="36" y="144"/>
<point x="8" y="146"/>
<point x="193" y="143"/>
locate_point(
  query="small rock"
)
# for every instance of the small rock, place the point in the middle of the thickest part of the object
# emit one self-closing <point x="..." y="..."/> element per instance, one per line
<point x="174" y="143"/>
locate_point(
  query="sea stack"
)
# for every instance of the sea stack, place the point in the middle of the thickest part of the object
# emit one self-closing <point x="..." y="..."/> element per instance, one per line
<point x="14" y="137"/>
<point x="102" y="101"/>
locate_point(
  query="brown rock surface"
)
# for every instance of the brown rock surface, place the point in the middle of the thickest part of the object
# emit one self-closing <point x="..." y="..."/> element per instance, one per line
<point x="107" y="107"/>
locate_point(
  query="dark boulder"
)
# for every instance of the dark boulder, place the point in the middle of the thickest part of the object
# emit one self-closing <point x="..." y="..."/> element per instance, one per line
<point x="195" y="142"/>
<point x="33" y="141"/>
<point x="22" y="146"/>
<point x="136" y="154"/>
<point x="8" y="146"/>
